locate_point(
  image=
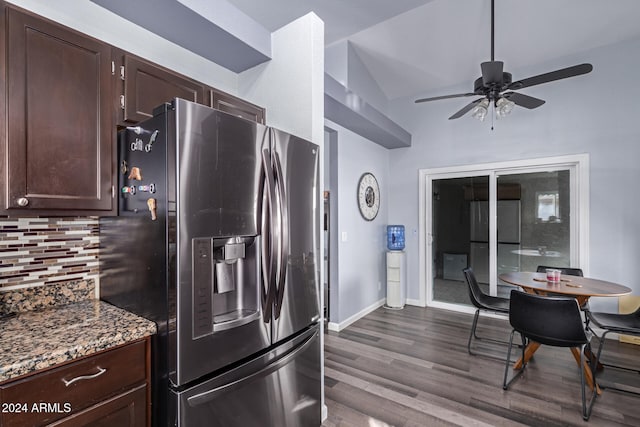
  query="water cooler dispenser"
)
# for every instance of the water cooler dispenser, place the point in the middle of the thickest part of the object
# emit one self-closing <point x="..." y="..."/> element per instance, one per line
<point x="396" y="267"/>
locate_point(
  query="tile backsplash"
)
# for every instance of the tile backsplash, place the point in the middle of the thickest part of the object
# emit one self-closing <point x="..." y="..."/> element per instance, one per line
<point x="47" y="251"/>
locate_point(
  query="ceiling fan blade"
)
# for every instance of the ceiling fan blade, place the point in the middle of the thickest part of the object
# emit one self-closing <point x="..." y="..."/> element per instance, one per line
<point x="437" y="98"/>
<point x="492" y="72"/>
<point x="522" y="100"/>
<point x="564" y="73"/>
<point x="464" y="110"/>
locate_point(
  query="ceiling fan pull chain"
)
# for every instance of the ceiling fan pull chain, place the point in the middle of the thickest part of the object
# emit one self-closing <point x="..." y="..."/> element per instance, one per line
<point x="493" y="110"/>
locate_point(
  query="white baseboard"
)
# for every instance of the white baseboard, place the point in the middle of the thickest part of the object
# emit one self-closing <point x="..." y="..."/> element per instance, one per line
<point x="325" y="413"/>
<point x="337" y="327"/>
<point x="415" y="302"/>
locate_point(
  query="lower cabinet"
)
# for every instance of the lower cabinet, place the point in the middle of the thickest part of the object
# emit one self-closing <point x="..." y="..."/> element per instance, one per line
<point x="109" y="388"/>
<point x="124" y="410"/>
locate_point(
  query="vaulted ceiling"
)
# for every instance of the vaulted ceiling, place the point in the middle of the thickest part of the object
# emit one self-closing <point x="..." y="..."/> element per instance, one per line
<point x="417" y="47"/>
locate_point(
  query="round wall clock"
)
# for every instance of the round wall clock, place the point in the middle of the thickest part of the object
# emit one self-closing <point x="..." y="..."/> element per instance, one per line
<point x="368" y="196"/>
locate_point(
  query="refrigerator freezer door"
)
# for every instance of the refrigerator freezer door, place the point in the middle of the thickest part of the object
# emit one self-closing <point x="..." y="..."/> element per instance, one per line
<point x="508" y="221"/>
<point x="280" y="389"/>
<point x="296" y="302"/>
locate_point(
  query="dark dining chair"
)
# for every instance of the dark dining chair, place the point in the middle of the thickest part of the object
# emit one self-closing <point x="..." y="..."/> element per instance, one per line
<point x="482" y="302"/>
<point x="554" y="321"/>
<point x="569" y="271"/>
<point x="627" y="324"/>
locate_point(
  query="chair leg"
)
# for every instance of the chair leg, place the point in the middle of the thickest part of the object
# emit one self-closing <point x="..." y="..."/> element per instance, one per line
<point x="587" y="407"/>
<point x="601" y="346"/>
<point x="473" y="331"/>
<point x="505" y="383"/>
<point x="473" y="335"/>
<point x="597" y="363"/>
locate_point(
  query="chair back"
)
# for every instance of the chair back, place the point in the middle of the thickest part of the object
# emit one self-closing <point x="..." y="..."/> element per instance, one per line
<point x="475" y="293"/>
<point x="569" y="271"/>
<point x="547" y="320"/>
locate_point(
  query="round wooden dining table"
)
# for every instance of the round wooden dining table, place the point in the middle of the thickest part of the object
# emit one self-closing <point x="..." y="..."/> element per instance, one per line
<point x="581" y="288"/>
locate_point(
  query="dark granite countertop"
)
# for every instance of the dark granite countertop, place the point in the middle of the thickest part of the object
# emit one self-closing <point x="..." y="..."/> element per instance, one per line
<point x="34" y="340"/>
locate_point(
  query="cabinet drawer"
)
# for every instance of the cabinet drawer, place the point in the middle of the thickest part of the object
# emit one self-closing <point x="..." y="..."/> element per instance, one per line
<point x="75" y="386"/>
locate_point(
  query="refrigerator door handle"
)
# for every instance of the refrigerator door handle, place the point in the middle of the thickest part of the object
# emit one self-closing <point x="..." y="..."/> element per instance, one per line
<point x="282" y="360"/>
<point x="266" y="242"/>
<point x="284" y="235"/>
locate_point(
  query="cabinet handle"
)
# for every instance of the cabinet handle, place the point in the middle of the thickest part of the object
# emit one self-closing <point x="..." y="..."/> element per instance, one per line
<point x="101" y="371"/>
<point x="23" y="201"/>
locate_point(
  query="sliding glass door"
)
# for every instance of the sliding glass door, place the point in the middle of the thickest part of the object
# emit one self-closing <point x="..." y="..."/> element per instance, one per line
<point x="459" y="235"/>
<point x="534" y="225"/>
<point x="499" y="218"/>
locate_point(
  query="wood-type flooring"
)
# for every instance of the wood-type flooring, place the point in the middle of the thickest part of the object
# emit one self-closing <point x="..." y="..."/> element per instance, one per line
<point x="411" y="368"/>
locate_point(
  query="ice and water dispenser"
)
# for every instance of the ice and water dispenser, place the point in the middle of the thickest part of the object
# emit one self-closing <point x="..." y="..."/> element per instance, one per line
<point x="225" y="273"/>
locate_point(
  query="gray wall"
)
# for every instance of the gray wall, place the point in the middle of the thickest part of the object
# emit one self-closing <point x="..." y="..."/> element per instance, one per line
<point x="357" y="264"/>
<point x="343" y="63"/>
<point x="596" y="114"/>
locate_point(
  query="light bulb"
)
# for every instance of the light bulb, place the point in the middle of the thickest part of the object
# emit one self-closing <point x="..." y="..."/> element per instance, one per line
<point x="503" y="107"/>
<point x="480" y="111"/>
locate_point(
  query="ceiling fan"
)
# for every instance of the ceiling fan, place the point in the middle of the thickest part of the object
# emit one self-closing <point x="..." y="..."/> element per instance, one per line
<point x="496" y="86"/>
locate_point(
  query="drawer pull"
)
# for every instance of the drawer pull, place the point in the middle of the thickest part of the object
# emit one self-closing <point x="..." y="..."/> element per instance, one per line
<point x="101" y="371"/>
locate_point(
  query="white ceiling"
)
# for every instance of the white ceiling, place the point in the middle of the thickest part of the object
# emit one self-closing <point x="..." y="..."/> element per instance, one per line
<point x="417" y="47"/>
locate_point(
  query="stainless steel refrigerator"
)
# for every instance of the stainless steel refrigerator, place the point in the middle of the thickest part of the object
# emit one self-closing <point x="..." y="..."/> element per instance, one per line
<point x="509" y="230"/>
<point x="217" y="241"/>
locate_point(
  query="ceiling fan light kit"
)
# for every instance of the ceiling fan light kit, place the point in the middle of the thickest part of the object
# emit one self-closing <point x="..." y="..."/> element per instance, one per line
<point x="496" y="86"/>
<point x="480" y="110"/>
<point x="504" y="107"/>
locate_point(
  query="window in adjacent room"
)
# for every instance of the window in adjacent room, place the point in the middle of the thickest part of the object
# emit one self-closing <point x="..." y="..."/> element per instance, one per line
<point x="548" y="206"/>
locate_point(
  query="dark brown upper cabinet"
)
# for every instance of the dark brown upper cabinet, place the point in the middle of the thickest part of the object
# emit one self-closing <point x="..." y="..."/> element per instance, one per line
<point x="236" y="106"/>
<point x="58" y="140"/>
<point x="147" y="85"/>
<point x="62" y="96"/>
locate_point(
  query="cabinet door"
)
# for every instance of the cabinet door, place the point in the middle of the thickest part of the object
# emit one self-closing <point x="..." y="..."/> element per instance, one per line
<point x="60" y="144"/>
<point x="236" y="106"/>
<point x="125" y="410"/>
<point x="147" y="85"/>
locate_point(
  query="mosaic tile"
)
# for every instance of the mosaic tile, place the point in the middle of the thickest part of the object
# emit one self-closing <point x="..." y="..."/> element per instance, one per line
<point x="35" y="252"/>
